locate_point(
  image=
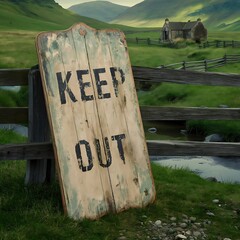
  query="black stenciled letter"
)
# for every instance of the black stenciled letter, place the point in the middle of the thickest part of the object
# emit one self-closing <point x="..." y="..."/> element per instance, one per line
<point x="79" y="155"/>
<point x="62" y="86"/>
<point x="119" y="139"/>
<point x="100" y="83"/>
<point x="82" y="85"/>
<point x="108" y="153"/>
<point x="113" y="71"/>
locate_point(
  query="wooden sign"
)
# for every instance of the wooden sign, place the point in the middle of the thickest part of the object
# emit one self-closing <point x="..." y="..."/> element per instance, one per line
<point x="95" y="121"/>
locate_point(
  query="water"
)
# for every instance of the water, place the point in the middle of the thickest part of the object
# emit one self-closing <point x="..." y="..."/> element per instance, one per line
<point x="22" y="130"/>
<point x="223" y="169"/>
<point x="11" y="88"/>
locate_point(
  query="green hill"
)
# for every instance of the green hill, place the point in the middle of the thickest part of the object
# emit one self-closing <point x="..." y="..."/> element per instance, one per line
<point x="216" y="14"/>
<point x="39" y="15"/>
<point x="101" y="10"/>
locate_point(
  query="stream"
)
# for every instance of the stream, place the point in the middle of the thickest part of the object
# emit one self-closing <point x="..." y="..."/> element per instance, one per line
<point x="222" y="169"/>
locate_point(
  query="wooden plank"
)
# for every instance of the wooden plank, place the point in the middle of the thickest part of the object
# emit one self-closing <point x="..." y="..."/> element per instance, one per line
<point x="13" y="77"/>
<point x="186" y="148"/>
<point x="92" y="104"/>
<point x="38" y="171"/>
<point x="155" y="148"/>
<point x="157" y="75"/>
<point x="13" y="115"/>
<point x="26" y="151"/>
<point x="126" y="191"/>
<point x="152" y="113"/>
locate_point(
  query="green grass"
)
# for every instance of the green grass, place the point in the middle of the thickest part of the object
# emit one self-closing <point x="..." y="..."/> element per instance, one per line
<point x="36" y="212"/>
<point x="13" y="99"/>
<point x="8" y="136"/>
<point x="17" y="49"/>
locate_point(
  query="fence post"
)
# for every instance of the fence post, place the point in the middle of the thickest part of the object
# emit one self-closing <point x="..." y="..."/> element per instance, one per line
<point x="224" y="44"/>
<point x="184" y="65"/>
<point x="205" y="65"/>
<point x="137" y="40"/>
<point x="149" y="41"/>
<point x="38" y="171"/>
<point x="225" y="58"/>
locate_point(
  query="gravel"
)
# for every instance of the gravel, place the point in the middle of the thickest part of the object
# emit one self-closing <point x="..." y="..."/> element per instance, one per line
<point x="172" y="229"/>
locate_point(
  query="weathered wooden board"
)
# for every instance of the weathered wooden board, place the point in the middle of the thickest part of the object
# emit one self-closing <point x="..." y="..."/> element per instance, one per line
<point x="95" y="121"/>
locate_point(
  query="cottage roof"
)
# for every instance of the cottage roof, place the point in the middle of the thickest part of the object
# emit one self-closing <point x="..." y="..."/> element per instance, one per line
<point x="182" y="25"/>
<point x="189" y="25"/>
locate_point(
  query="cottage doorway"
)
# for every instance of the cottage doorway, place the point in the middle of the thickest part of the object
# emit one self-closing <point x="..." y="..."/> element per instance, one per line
<point x="166" y="35"/>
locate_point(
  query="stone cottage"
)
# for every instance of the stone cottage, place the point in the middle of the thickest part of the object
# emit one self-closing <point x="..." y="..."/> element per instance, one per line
<point x="193" y="30"/>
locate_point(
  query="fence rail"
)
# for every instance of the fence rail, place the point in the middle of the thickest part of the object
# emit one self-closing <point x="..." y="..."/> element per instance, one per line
<point x="220" y="44"/>
<point x="150" y="41"/>
<point x="159" y="42"/>
<point x="204" y="65"/>
<point x="39" y="151"/>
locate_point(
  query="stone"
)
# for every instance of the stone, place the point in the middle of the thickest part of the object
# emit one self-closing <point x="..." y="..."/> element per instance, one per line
<point x="173" y="219"/>
<point x="214" y="138"/>
<point x="227" y="239"/>
<point x="198" y="224"/>
<point x="171" y="230"/>
<point x="185" y="221"/>
<point x="158" y="223"/>
<point x="152" y="130"/>
<point x="210" y="214"/>
<point x="122" y="238"/>
<point x="223" y="106"/>
<point x="215" y="201"/>
<point x="212" y="179"/>
<point x="180" y="236"/>
<point x="196" y="234"/>
<point x="183" y="225"/>
<point x="192" y="219"/>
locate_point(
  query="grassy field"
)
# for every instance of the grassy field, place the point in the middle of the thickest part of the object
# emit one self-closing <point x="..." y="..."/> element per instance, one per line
<point x="187" y="95"/>
<point x="36" y="212"/>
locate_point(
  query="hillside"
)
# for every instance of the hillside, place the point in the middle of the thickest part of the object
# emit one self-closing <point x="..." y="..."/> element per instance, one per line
<point x="216" y="14"/>
<point x="39" y="15"/>
<point x="101" y="10"/>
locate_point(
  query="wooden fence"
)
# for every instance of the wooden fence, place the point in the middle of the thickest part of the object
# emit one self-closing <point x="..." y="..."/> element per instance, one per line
<point x="204" y="65"/>
<point x="220" y="44"/>
<point x="39" y="151"/>
<point x="157" y="42"/>
<point x="216" y="43"/>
